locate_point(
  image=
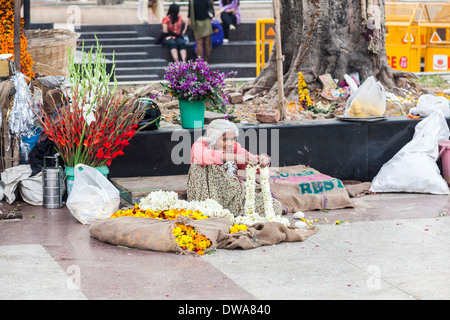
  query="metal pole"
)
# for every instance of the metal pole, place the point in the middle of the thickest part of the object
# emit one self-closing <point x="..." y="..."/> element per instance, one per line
<point x="17" y="6"/>
<point x="280" y="58"/>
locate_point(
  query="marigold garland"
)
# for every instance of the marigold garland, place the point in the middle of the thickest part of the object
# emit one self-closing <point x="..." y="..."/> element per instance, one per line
<point x="304" y="99"/>
<point x="7" y="37"/>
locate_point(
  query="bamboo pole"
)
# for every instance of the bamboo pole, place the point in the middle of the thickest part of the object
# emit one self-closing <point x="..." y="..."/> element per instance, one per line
<point x="280" y="58"/>
<point x="17" y="5"/>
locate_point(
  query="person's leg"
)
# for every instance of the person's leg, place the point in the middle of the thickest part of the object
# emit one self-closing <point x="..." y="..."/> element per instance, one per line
<point x="199" y="48"/>
<point x="171" y="43"/>
<point x="233" y="21"/>
<point x="182" y="47"/>
<point x="226" y="21"/>
<point x="183" y="54"/>
<point x="207" y="47"/>
<point x="174" y="53"/>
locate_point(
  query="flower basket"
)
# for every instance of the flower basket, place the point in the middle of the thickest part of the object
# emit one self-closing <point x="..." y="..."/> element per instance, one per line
<point x="49" y="48"/>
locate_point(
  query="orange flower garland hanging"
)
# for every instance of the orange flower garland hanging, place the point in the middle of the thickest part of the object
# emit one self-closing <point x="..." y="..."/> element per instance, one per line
<point x="7" y="37"/>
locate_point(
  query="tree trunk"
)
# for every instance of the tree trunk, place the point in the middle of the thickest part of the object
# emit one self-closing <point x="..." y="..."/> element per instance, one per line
<point x="327" y="36"/>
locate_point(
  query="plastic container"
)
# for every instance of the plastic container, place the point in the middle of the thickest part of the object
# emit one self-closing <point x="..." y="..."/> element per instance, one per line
<point x="70" y="175"/>
<point x="444" y="153"/>
<point x="192" y="114"/>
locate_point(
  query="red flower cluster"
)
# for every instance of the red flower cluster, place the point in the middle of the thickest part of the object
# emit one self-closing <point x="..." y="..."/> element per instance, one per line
<point x="99" y="142"/>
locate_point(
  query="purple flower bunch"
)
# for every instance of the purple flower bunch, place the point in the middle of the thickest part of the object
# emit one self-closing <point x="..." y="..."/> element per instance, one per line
<point x="194" y="80"/>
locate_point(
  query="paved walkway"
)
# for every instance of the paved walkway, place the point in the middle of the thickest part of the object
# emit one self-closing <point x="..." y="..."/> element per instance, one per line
<point x="394" y="246"/>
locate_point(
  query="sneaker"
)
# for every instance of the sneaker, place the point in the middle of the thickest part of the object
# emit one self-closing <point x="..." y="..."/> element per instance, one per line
<point x="232" y="27"/>
<point x="225" y="40"/>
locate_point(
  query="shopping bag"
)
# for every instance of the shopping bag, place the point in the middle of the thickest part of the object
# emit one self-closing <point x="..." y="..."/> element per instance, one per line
<point x="368" y="101"/>
<point x="92" y="197"/>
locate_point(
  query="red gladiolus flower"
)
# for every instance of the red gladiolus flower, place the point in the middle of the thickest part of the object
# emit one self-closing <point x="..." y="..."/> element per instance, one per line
<point x="100" y="154"/>
<point x="117" y="153"/>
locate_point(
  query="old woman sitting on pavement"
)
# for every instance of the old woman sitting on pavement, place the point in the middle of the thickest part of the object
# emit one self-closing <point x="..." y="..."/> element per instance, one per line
<point x="215" y="160"/>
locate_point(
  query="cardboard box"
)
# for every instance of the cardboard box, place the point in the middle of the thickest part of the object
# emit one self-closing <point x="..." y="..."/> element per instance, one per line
<point x="4" y="69"/>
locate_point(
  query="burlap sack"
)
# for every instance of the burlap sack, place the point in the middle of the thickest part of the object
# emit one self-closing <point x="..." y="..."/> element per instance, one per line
<point x="5" y="89"/>
<point x="154" y="234"/>
<point x="301" y="188"/>
<point x="356" y="188"/>
<point x="263" y="234"/>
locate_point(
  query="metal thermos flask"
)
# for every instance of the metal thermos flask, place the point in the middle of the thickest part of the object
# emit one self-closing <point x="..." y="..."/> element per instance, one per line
<point x="51" y="177"/>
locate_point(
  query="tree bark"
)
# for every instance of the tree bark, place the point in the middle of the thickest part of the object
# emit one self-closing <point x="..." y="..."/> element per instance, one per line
<point x="327" y="36"/>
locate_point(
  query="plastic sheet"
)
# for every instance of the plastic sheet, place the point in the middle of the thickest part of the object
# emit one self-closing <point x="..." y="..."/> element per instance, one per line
<point x="22" y="117"/>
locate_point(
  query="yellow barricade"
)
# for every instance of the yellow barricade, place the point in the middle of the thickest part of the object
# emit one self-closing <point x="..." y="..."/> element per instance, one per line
<point x="265" y="35"/>
<point x="417" y="37"/>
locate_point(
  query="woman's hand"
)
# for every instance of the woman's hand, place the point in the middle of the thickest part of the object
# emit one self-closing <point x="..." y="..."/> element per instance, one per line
<point x="264" y="160"/>
<point x="218" y="13"/>
<point x="247" y="158"/>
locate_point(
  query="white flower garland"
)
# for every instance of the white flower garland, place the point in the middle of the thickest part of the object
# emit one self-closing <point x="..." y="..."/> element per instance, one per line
<point x="250" y="216"/>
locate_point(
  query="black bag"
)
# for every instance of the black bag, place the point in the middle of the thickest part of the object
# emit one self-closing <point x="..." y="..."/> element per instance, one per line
<point x="211" y="12"/>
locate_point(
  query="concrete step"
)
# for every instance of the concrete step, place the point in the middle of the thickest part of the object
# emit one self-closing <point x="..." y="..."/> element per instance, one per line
<point x="125" y="56"/>
<point x="131" y="48"/>
<point x="108" y="27"/>
<point x="243" y="70"/>
<point x="137" y="63"/>
<point x="119" y="41"/>
<point x="158" y="70"/>
<point x="108" y="34"/>
<point x="243" y="32"/>
<point x="137" y="78"/>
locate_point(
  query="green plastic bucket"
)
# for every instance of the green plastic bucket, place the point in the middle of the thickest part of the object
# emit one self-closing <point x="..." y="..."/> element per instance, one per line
<point x="70" y="175"/>
<point x="192" y="114"/>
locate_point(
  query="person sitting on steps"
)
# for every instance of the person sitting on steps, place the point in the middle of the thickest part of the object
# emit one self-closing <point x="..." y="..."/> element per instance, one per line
<point x="231" y="16"/>
<point x="173" y="35"/>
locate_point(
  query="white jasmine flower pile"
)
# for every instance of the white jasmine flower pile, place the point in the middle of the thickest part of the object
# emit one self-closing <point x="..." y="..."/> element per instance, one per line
<point x="165" y="200"/>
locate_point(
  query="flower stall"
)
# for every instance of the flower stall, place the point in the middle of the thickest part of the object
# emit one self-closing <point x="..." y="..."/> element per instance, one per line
<point x="163" y="222"/>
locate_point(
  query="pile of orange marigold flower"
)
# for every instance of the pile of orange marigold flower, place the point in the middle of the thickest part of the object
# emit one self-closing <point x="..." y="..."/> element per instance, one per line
<point x="7" y="37"/>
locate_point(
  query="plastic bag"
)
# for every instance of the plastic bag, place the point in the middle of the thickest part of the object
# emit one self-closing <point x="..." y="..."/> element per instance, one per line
<point x="429" y="103"/>
<point x="368" y="101"/>
<point x="92" y="197"/>
<point x="414" y="168"/>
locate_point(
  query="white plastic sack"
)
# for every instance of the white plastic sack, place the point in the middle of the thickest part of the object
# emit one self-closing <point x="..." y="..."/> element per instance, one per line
<point x="414" y="168"/>
<point x="31" y="190"/>
<point x="92" y="197"/>
<point x="11" y="178"/>
<point x="368" y="101"/>
<point x="429" y="103"/>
